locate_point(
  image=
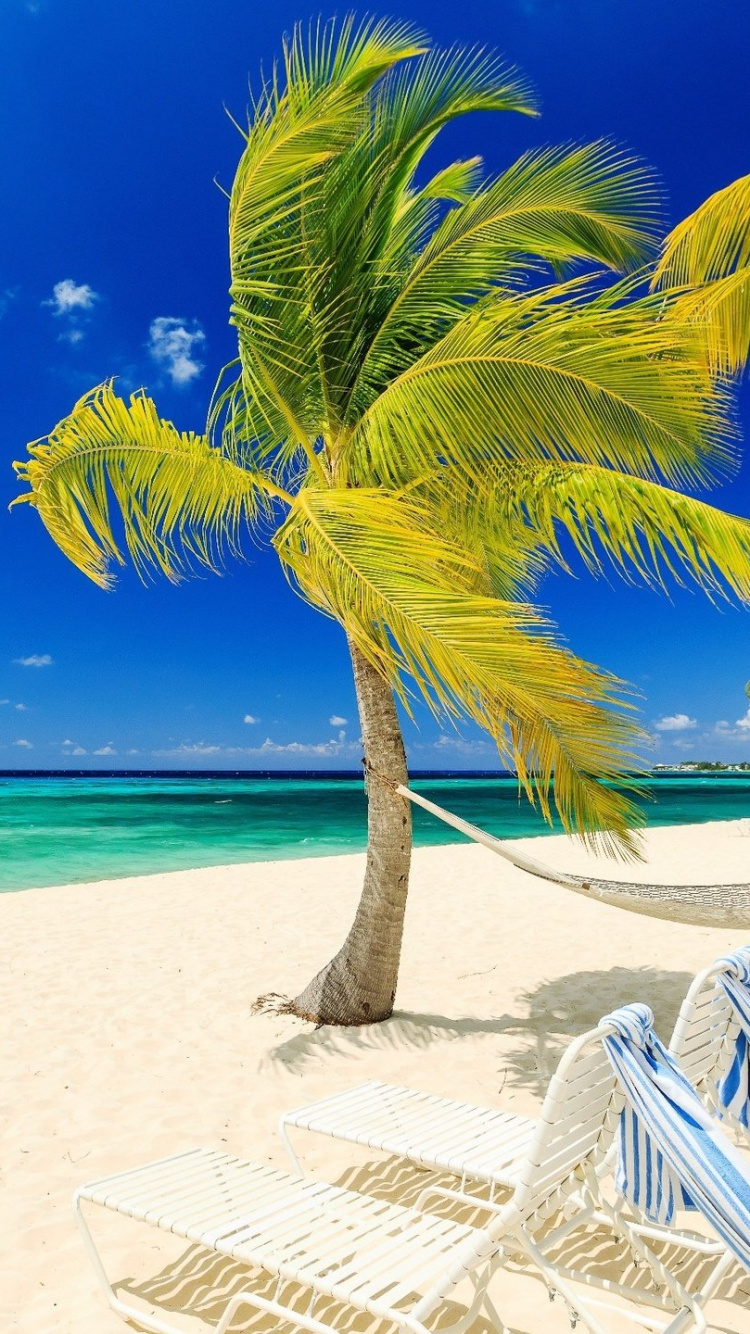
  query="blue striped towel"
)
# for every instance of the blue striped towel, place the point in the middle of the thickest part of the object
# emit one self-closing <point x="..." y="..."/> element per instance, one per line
<point x="734" y="1089"/>
<point x="673" y="1154"/>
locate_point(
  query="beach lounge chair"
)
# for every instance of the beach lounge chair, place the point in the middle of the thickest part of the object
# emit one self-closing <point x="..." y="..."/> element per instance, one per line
<point x="482" y="1146"/>
<point x="403" y="1265"/>
<point x="711" y="1039"/>
<point x="396" y="1263"/>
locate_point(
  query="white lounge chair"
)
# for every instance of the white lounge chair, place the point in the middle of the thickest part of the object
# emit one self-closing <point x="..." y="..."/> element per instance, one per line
<point x="708" y="1037"/>
<point x="482" y="1146"/>
<point x="395" y="1263"/>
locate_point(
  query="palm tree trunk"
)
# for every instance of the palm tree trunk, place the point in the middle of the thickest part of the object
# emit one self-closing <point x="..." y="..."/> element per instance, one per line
<point x="358" y="986"/>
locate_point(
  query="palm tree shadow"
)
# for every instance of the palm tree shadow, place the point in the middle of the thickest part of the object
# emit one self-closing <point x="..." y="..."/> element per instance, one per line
<point x="530" y="1044"/>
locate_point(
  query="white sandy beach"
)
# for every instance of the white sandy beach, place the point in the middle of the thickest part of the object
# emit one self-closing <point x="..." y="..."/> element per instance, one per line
<point x="127" y="1035"/>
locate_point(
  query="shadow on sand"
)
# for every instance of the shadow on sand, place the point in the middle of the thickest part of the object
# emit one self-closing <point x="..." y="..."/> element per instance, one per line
<point x="200" y="1283"/>
<point x="555" y="1012"/>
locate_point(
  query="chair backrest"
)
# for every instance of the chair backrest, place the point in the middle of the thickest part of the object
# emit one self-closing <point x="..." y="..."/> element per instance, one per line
<point x="705" y="1033"/>
<point x="578" y="1120"/>
<point x="577" y="1124"/>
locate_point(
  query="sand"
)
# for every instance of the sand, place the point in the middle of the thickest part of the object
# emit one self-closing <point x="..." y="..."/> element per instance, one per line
<point x="127" y="1035"/>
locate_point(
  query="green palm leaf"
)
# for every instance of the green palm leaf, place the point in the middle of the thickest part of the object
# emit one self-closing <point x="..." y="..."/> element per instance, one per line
<point x="555" y="205"/>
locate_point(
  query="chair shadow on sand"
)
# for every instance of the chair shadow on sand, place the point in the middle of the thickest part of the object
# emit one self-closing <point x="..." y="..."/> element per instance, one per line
<point x="199" y="1283"/>
<point x="556" y="1012"/>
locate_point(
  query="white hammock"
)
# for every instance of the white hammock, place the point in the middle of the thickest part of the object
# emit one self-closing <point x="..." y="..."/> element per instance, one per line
<point x="695" y="905"/>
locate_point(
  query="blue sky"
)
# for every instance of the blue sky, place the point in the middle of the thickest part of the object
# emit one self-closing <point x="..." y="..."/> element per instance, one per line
<point x="113" y="261"/>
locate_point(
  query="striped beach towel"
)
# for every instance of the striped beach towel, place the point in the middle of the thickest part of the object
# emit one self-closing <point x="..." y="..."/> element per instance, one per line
<point x="673" y="1155"/>
<point x="734" y="1089"/>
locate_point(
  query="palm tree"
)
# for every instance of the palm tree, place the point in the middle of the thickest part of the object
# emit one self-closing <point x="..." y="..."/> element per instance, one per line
<point x="434" y="384"/>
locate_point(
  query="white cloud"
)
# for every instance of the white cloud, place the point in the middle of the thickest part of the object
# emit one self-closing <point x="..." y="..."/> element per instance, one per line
<point x="676" y="722"/>
<point x="72" y="336"/>
<point x="132" y="751"/>
<point x="197" y="750"/>
<point x="336" y="721"/>
<point x="462" y="747"/>
<point x="250" y="719"/>
<point x="68" y="296"/>
<point x="106" y="750"/>
<point x="6" y="298"/>
<point x="4" y="701"/>
<point x="24" y="743"/>
<point x="72" y="748"/>
<point x="726" y="731"/>
<point x="187" y="750"/>
<point x="34" y="660"/>
<point x="332" y="747"/>
<point x="21" y="707"/>
<point x="173" y="346"/>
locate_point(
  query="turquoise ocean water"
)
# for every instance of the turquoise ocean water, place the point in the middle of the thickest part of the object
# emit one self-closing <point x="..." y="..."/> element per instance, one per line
<point x="59" y="830"/>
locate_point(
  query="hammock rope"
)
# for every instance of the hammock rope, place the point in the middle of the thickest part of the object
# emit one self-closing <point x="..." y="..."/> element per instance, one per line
<point x="693" y="905"/>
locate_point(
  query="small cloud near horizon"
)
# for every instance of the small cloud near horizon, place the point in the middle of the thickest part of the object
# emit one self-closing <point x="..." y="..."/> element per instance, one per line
<point x="201" y="749"/>
<point x="726" y="732"/>
<point x="34" y="660"/>
<point x="250" y="719"/>
<point x="336" y="721"/>
<point x="676" y="722"/>
<point x="105" y="750"/>
<point x="173" y="345"/>
<point x="24" y="743"/>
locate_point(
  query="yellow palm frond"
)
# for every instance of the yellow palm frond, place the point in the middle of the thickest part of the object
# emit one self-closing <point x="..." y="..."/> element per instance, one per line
<point x="180" y="500"/>
<point x="707" y="256"/>
<point x="419" y="608"/>
<point x="643" y="530"/>
<point x="549" y="376"/>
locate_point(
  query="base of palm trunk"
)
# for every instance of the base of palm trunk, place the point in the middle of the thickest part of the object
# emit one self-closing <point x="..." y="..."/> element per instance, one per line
<point x="358" y="986"/>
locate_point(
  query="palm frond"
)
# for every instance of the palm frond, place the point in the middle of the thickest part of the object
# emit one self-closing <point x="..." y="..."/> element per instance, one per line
<point x="640" y="529"/>
<point x="550" y="376"/>
<point x="418" y="608"/>
<point x="297" y="129"/>
<point x="180" y="501"/>
<point x="554" y="206"/>
<point x="455" y="183"/>
<point x="708" y="256"/>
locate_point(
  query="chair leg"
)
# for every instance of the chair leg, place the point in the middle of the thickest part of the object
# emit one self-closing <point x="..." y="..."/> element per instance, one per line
<point x="123" y="1309"/>
<point x="294" y="1160"/>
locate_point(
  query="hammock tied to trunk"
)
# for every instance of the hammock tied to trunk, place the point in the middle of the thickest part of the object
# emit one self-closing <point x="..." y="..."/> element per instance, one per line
<point x="694" y="905"/>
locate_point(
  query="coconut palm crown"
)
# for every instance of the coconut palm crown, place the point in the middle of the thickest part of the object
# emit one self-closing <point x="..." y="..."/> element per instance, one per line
<point x="444" y="384"/>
